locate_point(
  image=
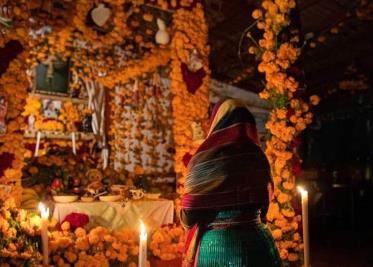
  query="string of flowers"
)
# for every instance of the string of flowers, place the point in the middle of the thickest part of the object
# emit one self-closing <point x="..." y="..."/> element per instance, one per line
<point x="290" y="115"/>
<point x="190" y="32"/>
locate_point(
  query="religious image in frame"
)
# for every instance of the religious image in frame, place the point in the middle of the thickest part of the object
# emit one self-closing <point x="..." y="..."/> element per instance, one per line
<point x="52" y="77"/>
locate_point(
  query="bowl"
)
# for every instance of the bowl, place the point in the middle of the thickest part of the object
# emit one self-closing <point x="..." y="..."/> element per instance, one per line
<point x="87" y="199"/>
<point x="110" y="198"/>
<point x="152" y="195"/>
<point x="65" y="199"/>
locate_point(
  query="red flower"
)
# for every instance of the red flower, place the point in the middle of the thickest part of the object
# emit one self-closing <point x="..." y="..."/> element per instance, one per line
<point x="76" y="220"/>
<point x="56" y="184"/>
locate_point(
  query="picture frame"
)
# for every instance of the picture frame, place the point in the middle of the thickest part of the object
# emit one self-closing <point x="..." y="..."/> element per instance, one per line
<point x="51" y="108"/>
<point x="52" y="77"/>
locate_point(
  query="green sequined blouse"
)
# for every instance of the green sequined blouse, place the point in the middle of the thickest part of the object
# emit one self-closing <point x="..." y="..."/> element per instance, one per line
<point x="248" y="245"/>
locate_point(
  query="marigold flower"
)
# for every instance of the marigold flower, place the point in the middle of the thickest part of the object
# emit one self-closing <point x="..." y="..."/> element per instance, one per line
<point x="293" y="257"/>
<point x="314" y="100"/>
<point x="282" y="198"/>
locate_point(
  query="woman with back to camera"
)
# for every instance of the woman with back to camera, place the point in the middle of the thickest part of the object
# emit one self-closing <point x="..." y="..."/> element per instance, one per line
<point x="225" y="190"/>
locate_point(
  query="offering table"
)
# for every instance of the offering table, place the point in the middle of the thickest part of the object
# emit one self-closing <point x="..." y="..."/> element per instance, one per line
<point x="118" y="215"/>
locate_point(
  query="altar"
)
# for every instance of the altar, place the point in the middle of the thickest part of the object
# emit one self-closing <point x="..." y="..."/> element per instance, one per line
<point x="119" y="215"/>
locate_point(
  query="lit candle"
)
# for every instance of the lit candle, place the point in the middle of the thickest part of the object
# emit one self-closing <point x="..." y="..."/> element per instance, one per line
<point x="306" y="239"/>
<point x="143" y="245"/>
<point x="44" y="212"/>
<point x="38" y="136"/>
<point x="73" y="140"/>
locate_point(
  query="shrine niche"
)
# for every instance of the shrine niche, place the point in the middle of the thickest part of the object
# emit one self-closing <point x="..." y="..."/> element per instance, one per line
<point x="106" y="86"/>
<point x="96" y="113"/>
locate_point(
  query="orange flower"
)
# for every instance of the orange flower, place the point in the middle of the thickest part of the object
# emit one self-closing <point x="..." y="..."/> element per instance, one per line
<point x="257" y="14"/>
<point x="282" y="198"/>
<point x="314" y="100"/>
<point x="277" y="234"/>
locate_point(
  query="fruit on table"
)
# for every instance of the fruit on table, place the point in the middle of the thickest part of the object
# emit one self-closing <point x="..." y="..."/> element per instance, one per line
<point x="56" y="184"/>
<point x="30" y="199"/>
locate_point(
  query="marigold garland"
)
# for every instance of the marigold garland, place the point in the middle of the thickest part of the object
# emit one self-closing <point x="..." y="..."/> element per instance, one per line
<point x="190" y="32"/>
<point x="290" y="116"/>
<point x="136" y="68"/>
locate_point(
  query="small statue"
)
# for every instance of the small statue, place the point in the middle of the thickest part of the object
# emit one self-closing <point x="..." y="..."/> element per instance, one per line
<point x="162" y="36"/>
<point x="31" y="122"/>
<point x="195" y="62"/>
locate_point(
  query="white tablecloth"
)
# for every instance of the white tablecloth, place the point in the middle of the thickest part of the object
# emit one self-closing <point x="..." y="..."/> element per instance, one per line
<point x="114" y="215"/>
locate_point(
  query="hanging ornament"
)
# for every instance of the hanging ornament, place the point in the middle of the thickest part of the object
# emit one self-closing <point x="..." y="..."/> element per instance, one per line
<point x="193" y="72"/>
<point x="162" y="36"/>
<point x="193" y="80"/>
<point x="100" y="15"/>
<point x="3" y="111"/>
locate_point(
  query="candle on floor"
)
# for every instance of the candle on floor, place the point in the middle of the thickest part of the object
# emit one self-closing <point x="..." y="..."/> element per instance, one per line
<point x="143" y="245"/>
<point x="44" y="213"/>
<point x="306" y="240"/>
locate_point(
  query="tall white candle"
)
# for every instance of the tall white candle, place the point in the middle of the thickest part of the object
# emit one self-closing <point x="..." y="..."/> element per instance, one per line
<point x="306" y="239"/>
<point x="73" y="140"/>
<point x="44" y="213"/>
<point x="38" y="136"/>
<point x="143" y="245"/>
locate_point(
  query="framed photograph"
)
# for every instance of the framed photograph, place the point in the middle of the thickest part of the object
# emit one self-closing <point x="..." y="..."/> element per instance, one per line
<point x="51" y="108"/>
<point x="52" y="77"/>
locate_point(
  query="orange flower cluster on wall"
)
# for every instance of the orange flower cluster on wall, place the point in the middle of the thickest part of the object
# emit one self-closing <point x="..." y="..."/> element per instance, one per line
<point x="190" y="32"/>
<point x="92" y="58"/>
<point x="136" y="68"/>
<point x="290" y="115"/>
<point x="18" y="15"/>
<point x="13" y="86"/>
<point x="119" y="26"/>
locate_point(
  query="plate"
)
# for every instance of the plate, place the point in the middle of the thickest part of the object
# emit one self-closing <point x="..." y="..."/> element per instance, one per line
<point x="152" y="195"/>
<point x="110" y="198"/>
<point x="65" y="199"/>
<point x="87" y="199"/>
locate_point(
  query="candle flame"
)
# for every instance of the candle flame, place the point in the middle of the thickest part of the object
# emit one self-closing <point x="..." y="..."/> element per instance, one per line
<point x="43" y="211"/>
<point x="143" y="234"/>
<point x="302" y="190"/>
